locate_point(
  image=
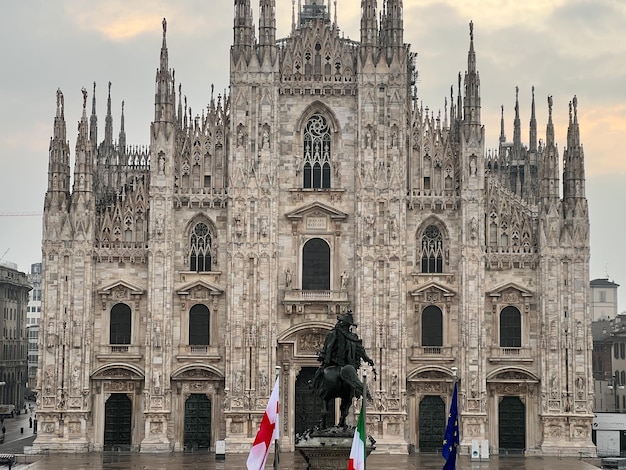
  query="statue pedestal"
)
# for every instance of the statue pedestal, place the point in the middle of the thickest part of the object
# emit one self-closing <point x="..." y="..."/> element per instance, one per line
<point x="329" y="448"/>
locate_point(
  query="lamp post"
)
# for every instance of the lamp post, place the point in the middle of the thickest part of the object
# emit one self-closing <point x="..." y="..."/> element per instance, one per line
<point x="614" y="384"/>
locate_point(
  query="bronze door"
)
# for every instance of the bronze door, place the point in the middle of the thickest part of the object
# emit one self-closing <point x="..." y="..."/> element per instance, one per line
<point x="512" y="426"/>
<point x="197" y="422"/>
<point x="118" y="412"/>
<point x="308" y="405"/>
<point x="432" y="423"/>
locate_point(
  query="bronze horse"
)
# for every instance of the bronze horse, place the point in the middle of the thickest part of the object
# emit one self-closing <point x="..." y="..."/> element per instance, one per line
<point x="339" y="382"/>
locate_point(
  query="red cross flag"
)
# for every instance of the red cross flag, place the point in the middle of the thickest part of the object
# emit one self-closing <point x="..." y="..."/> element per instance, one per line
<point x="268" y="431"/>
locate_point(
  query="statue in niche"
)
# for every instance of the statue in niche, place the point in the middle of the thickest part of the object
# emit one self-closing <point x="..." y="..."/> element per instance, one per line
<point x="265" y="142"/>
<point x="161" y="163"/>
<point x="336" y="376"/>
<point x="288" y="277"/>
<point x="473" y="228"/>
<point x="368" y="139"/>
<point x="345" y="278"/>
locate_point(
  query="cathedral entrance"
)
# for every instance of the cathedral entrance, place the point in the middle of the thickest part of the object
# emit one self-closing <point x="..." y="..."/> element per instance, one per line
<point x="197" y="422"/>
<point x="117" y="422"/>
<point x="308" y="405"/>
<point x="512" y="426"/>
<point x="432" y="423"/>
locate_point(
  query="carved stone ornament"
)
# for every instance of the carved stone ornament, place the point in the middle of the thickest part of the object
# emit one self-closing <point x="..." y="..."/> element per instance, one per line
<point x="310" y="342"/>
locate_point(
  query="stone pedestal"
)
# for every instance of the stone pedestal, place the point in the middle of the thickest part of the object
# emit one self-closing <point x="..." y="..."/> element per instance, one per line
<point x="329" y="449"/>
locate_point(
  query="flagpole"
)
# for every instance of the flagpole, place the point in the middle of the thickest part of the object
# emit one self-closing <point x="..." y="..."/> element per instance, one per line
<point x="364" y="405"/>
<point x="276" y="457"/>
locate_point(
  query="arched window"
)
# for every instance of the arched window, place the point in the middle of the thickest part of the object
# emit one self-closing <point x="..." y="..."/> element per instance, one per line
<point x="200" y="248"/>
<point x="432" y="250"/>
<point x="199" y="328"/>
<point x="120" y="324"/>
<point x="317" y="152"/>
<point x="316" y="265"/>
<point x="432" y="326"/>
<point x="510" y="328"/>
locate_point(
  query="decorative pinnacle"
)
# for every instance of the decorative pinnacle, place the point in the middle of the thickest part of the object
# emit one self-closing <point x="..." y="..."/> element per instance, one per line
<point x="84" y="90"/>
<point x="164" y="26"/>
<point x="471" y="25"/>
<point x="550" y="104"/>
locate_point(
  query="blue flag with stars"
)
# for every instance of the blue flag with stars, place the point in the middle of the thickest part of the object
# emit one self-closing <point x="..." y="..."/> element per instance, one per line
<point x="451" y="437"/>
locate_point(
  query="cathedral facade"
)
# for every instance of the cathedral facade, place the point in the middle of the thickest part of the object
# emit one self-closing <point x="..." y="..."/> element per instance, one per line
<point x="179" y="276"/>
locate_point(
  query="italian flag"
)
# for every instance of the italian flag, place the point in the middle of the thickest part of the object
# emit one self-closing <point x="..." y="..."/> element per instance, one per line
<point x="357" y="452"/>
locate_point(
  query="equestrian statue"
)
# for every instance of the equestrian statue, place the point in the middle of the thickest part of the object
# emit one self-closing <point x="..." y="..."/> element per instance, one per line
<point x="337" y="376"/>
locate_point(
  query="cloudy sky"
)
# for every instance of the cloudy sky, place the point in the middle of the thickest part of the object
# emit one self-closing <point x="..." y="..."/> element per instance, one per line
<point x="561" y="47"/>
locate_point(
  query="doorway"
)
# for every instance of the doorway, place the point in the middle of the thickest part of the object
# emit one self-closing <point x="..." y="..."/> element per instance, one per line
<point x="118" y="412"/>
<point x="197" y="423"/>
<point x="512" y="426"/>
<point x="432" y="423"/>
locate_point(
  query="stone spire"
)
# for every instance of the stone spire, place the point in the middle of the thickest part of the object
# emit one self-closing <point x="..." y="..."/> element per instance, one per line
<point x="108" y="122"/>
<point x="502" y="133"/>
<point x="267" y="23"/>
<point x="550" y="163"/>
<point x="533" y="125"/>
<point x="57" y="195"/>
<point x="471" y="102"/>
<point x="122" y="137"/>
<point x="243" y="30"/>
<point x="573" y="157"/>
<point x="517" y="127"/>
<point x="83" y="164"/>
<point x="164" y="98"/>
<point x="93" y="120"/>
<point x="369" y="25"/>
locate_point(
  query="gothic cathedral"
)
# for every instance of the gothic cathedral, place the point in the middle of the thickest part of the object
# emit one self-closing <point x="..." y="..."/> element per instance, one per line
<point x="178" y="276"/>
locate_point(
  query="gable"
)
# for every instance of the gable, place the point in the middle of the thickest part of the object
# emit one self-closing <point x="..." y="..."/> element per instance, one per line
<point x="432" y="292"/>
<point x="121" y="289"/>
<point x="509" y="288"/>
<point x="316" y="209"/>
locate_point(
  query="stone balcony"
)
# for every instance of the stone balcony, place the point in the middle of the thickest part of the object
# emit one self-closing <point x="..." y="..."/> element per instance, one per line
<point x="126" y="352"/>
<point x="295" y="300"/>
<point x="431" y="354"/>
<point x="499" y="354"/>
<point x="196" y="352"/>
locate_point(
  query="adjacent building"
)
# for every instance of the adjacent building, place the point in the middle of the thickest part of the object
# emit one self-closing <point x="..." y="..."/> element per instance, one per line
<point x="178" y="276"/>
<point x="33" y="316"/>
<point x="603" y="299"/>
<point x="14" y="288"/>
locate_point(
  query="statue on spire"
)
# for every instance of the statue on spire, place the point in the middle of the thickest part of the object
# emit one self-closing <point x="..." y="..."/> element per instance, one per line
<point x="164" y="26"/>
<point x="84" y="90"/>
<point x="471" y="25"/>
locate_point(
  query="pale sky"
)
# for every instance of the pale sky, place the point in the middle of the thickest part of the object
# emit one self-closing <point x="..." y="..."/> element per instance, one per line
<point x="561" y="47"/>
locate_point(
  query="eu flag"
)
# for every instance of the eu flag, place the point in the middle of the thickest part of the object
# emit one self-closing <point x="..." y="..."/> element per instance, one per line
<point x="451" y="437"/>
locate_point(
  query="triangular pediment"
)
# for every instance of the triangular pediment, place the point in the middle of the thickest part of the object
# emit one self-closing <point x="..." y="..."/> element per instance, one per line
<point x="121" y="287"/>
<point x="509" y="286"/>
<point x="317" y="208"/>
<point x="432" y="288"/>
<point x="199" y="286"/>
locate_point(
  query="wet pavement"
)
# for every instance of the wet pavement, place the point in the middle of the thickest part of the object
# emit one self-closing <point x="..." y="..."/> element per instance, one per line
<point x="19" y="435"/>
<point x="205" y="461"/>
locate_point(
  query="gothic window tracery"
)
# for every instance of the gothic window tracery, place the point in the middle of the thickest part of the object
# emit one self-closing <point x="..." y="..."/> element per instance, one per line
<point x="200" y="245"/>
<point x="432" y="250"/>
<point x="317" y="153"/>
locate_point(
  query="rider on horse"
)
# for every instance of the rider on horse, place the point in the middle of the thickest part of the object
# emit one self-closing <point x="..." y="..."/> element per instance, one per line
<point x="344" y="350"/>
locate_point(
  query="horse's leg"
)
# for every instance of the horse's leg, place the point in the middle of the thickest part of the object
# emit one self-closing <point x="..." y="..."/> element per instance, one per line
<point x="344" y="408"/>
<point x="324" y="413"/>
